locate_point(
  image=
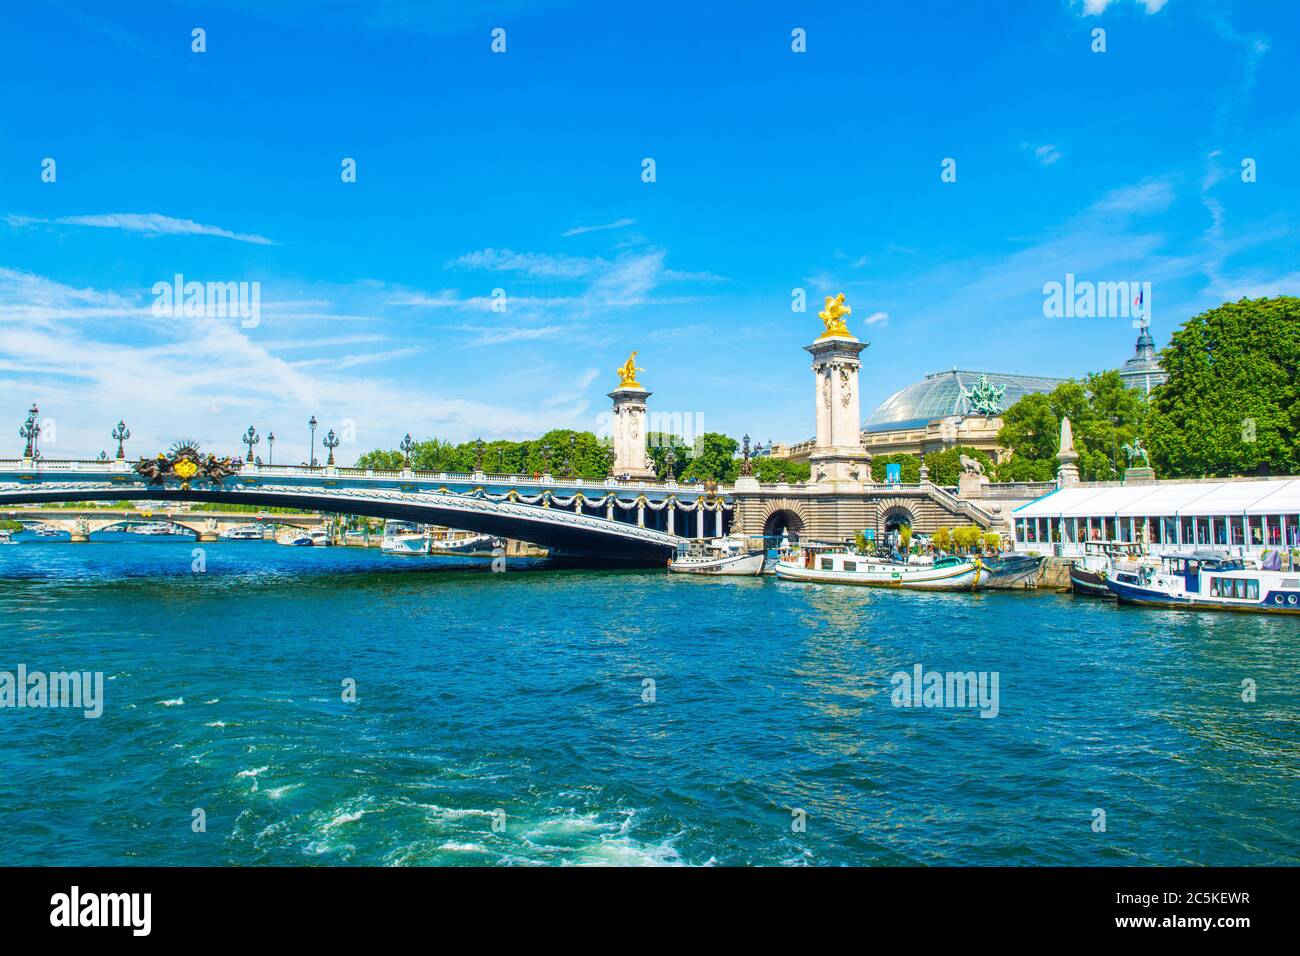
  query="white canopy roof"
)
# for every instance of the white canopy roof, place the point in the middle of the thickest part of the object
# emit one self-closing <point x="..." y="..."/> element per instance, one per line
<point x="1262" y="496"/>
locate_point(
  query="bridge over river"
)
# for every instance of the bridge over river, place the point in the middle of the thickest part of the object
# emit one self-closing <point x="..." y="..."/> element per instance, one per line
<point x="613" y="520"/>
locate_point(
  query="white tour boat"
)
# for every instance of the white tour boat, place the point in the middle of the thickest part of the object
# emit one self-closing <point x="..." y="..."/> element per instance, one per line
<point x="7" y="537"/>
<point x="404" y="537"/>
<point x="727" y="556"/>
<point x="243" y="532"/>
<point x="1210" y="581"/>
<point x="295" y="539"/>
<point x="810" y="565"/>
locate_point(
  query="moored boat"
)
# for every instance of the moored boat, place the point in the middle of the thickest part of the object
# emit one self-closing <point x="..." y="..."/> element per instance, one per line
<point x="1088" y="573"/>
<point x="719" y="556"/>
<point x="845" y="567"/>
<point x="1208" y="581"/>
<point x="404" y="537"/>
<point x="243" y="532"/>
<point x="7" y="537"/>
<point x="464" y="544"/>
<point x="1011" y="571"/>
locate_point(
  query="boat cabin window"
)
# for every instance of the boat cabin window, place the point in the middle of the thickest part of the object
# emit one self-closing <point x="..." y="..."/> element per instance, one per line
<point x="828" y="564"/>
<point x="1241" y="588"/>
<point x="850" y="565"/>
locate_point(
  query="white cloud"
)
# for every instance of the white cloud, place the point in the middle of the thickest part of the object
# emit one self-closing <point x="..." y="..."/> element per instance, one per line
<point x="1093" y="8"/>
<point x="580" y="230"/>
<point x="535" y="264"/>
<point x="1047" y="154"/>
<point x="876" y="318"/>
<point x="146" y="223"/>
<point x="1147" y="197"/>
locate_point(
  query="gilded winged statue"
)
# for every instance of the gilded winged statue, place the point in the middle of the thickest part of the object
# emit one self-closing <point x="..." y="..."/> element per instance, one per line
<point x="833" y="316"/>
<point x="627" y="373"/>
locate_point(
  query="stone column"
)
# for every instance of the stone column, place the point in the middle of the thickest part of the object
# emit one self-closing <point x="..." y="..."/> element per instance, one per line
<point x="629" y="429"/>
<point x="838" y="456"/>
<point x="1067" y="473"/>
<point x="699" y="520"/>
<point x="672" y="513"/>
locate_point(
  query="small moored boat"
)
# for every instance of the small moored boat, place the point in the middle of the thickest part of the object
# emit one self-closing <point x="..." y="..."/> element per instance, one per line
<point x="845" y="567"/>
<point x="719" y="556"/>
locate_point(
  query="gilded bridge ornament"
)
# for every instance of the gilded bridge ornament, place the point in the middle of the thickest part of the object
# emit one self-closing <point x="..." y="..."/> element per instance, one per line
<point x="627" y="373"/>
<point x="185" y="463"/>
<point x="833" y="317"/>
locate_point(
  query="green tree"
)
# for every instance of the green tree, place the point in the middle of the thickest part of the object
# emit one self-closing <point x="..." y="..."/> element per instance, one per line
<point x="1230" y="404"/>
<point x="1104" y="414"/>
<point x="716" y="460"/>
<point x="770" y="470"/>
<point x="945" y="466"/>
<point x="657" y="445"/>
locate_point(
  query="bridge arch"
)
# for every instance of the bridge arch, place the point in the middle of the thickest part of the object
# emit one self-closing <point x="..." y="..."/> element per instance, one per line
<point x="894" y="517"/>
<point x="783" y="519"/>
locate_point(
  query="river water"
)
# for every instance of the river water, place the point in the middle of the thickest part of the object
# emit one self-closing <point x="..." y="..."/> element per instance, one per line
<point x="621" y="717"/>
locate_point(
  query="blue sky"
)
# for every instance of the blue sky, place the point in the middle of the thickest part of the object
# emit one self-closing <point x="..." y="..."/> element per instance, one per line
<point x="522" y="171"/>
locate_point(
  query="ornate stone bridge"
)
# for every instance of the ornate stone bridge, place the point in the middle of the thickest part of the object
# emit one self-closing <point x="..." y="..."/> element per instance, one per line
<point x="205" y="525"/>
<point x="637" y="521"/>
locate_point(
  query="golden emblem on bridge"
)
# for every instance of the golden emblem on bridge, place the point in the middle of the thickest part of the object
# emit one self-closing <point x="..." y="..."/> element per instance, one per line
<point x="627" y="373"/>
<point x="833" y="317"/>
<point x="185" y="469"/>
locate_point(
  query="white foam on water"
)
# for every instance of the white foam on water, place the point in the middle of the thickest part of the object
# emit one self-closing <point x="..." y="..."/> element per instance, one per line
<point x="175" y="702"/>
<point x="252" y="773"/>
<point x="343" y="818"/>
<point x="216" y="723"/>
<point x="275" y="793"/>
<point x="454" y="847"/>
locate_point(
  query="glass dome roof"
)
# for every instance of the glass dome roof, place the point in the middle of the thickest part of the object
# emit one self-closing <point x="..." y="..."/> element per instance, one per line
<point x="942" y="394"/>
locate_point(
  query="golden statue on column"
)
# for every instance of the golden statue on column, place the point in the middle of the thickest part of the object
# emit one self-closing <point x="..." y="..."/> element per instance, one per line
<point x="833" y="317"/>
<point x="627" y="373"/>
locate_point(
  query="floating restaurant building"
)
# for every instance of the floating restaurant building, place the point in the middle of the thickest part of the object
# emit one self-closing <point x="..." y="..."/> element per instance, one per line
<point x="1240" y="516"/>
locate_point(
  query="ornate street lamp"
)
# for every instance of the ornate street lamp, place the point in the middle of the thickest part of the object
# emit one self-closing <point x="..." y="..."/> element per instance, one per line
<point x="311" y="459"/>
<point x="31" y="431"/>
<point x="546" y="459"/>
<point x="478" y="454"/>
<point x="746" y="468"/>
<point x="406" y="447"/>
<point x="501" y="460"/>
<point x="331" y="442"/>
<point x="670" y="462"/>
<point x="120" y="434"/>
<point x="270" y="445"/>
<point x="250" y="439"/>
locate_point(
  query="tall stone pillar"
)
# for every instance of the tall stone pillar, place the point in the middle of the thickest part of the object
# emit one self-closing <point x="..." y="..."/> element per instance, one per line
<point x="629" y="430"/>
<point x="1067" y="472"/>
<point x="838" y="456"/>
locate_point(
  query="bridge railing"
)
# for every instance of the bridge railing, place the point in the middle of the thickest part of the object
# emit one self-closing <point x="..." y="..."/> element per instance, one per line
<point x="96" y="466"/>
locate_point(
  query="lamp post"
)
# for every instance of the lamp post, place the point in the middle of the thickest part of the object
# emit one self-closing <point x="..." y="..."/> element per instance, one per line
<point x="478" y="455"/>
<point x="30" y="431"/>
<point x="546" y="459"/>
<point x="270" y="449"/>
<point x="331" y="442"/>
<point x="746" y="467"/>
<point x="250" y="439"/>
<point x="406" y="446"/>
<point x="120" y="434"/>
<point x="670" y="462"/>
<point x="311" y="459"/>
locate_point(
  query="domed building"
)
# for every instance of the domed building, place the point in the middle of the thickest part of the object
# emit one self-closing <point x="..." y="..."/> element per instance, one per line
<point x="954" y="394"/>
<point x="1143" y="370"/>
<point x="960" y="407"/>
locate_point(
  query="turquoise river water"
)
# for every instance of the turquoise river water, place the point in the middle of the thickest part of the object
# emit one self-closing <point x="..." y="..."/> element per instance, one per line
<point x="506" y="718"/>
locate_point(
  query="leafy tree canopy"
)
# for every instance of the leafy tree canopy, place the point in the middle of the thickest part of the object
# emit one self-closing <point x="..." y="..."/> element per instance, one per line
<point x="1230" y="404"/>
